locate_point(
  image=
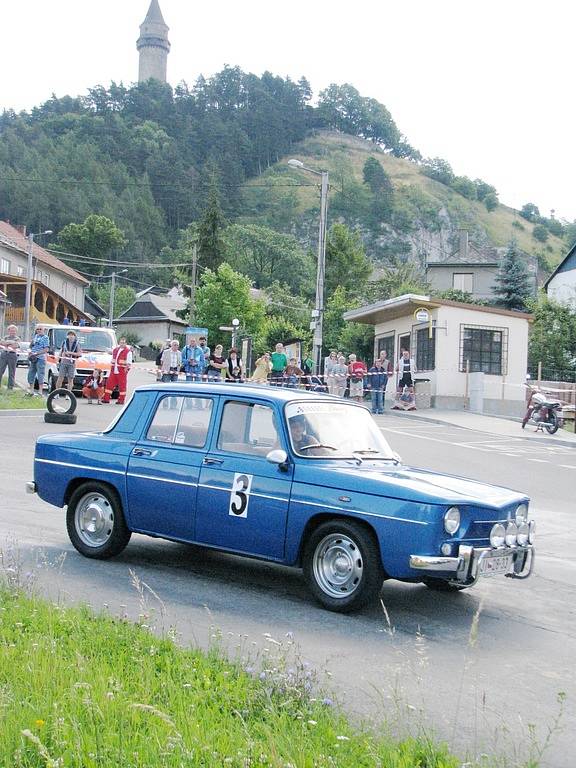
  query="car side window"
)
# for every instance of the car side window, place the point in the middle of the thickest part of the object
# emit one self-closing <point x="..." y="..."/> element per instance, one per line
<point x="248" y="428"/>
<point x="194" y="422"/>
<point x="181" y="421"/>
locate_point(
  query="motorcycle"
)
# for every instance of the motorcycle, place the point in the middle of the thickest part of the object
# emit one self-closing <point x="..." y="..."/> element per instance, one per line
<point x="543" y="411"/>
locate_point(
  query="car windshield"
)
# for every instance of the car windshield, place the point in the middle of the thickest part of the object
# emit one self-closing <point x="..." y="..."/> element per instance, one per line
<point x="90" y="341"/>
<point x="335" y="430"/>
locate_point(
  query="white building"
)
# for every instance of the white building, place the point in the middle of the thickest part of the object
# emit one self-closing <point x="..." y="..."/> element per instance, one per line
<point x="449" y="341"/>
<point x="561" y="285"/>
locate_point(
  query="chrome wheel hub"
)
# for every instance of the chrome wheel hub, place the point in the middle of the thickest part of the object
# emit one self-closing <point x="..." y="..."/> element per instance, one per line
<point x="94" y="519"/>
<point x="337" y="565"/>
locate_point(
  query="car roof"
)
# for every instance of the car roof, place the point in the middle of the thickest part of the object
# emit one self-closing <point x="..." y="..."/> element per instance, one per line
<point x="280" y="394"/>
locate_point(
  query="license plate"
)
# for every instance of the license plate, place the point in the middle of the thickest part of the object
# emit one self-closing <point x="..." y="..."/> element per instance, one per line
<point x="494" y="564"/>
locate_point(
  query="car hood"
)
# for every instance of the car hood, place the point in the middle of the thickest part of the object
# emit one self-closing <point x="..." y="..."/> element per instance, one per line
<point x="411" y="484"/>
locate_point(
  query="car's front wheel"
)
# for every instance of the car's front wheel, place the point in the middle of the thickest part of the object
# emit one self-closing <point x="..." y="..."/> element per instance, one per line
<point x="95" y="521"/>
<point x="342" y="565"/>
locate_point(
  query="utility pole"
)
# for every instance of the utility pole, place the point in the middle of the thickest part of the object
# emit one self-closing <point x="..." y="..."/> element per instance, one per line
<point x="192" y="308"/>
<point x="29" y="279"/>
<point x="112" y="295"/>
<point x="112" y="292"/>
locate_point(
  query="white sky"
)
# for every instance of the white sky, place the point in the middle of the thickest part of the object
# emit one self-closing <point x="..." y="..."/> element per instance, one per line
<point x="487" y="85"/>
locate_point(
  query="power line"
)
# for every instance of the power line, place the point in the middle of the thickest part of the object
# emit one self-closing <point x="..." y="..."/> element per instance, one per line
<point x="145" y="185"/>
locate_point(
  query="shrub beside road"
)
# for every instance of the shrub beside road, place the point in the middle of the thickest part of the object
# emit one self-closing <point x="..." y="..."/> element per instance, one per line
<point x="82" y="690"/>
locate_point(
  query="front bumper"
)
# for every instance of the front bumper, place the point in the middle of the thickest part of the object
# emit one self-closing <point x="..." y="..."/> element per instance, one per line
<point x="466" y="568"/>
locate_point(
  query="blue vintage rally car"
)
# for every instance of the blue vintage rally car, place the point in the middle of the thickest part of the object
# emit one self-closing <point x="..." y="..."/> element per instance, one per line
<point x="302" y="479"/>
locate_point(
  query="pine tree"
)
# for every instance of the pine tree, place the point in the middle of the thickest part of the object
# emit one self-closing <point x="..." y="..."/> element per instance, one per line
<point x="211" y="247"/>
<point x="512" y="288"/>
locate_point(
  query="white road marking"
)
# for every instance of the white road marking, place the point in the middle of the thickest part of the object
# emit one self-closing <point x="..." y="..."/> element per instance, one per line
<point x="567" y="466"/>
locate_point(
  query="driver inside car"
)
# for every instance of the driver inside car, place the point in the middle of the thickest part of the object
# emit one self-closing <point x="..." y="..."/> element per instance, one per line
<point x="301" y="440"/>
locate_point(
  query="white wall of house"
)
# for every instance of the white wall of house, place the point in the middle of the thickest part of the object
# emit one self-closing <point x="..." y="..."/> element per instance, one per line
<point x="150" y="332"/>
<point x="562" y="288"/>
<point x="504" y="392"/>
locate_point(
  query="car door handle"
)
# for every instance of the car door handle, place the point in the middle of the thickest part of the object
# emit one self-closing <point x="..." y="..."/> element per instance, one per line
<point x="143" y="452"/>
<point x="210" y="460"/>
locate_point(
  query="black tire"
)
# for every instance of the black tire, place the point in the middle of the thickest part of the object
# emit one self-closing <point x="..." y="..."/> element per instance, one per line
<point x="552" y="423"/>
<point x="441" y="585"/>
<point x="55" y="396"/>
<point x="60" y="418"/>
<point x="342" y="565"/>
<point x="98" y="506"/>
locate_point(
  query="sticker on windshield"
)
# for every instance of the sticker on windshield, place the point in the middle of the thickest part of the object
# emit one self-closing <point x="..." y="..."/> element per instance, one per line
<point x="240" y="495"/>
<point x="297" y="409"/>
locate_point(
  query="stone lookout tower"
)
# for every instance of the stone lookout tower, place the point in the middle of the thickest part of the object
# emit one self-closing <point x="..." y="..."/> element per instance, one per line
<point x="153" y="45"/>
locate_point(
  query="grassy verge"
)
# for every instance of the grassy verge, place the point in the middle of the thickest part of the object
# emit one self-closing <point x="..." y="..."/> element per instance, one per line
<point x="83" y="690"/>
<point x="16" y="398"/>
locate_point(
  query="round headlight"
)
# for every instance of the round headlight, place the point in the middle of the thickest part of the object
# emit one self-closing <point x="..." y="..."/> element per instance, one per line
<point x="522" y="514"/>
<point x="523" y="534"/>
<point x="497" y="535"/>
<point x="452" y="520"/>
<point x="511" y="535"/>
<point x="532" y="532"/>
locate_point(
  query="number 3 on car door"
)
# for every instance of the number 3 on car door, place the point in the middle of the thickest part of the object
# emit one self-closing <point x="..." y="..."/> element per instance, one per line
<point x="240" y="495"/>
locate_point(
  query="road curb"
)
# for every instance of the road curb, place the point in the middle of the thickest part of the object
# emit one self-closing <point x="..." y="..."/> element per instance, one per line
<point x="547" y="440"/>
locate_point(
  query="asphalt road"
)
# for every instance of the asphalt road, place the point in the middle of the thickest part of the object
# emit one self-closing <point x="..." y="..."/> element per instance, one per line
<point x="416" y="660"/>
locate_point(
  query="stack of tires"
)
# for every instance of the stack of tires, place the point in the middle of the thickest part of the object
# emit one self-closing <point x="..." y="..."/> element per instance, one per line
<point x="60" y="405"/>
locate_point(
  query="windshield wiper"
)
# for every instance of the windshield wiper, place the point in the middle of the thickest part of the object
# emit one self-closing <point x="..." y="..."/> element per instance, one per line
<point x="370" y="451"/>
<point x="316" y="445"/>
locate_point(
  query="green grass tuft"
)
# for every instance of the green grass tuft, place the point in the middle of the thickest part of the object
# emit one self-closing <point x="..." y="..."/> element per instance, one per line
<point x="83" y="690"/>
<point x="16" y="399"/>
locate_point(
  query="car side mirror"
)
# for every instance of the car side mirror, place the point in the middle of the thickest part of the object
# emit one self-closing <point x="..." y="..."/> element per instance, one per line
<point x="279" y="457"/>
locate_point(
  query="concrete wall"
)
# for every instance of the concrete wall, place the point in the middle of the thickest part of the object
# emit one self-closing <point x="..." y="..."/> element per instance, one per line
<point x="503" y="395"/>
<point x="562" y="288"/>
<point x="149" y="332"/>
<point x="440" y="278"/>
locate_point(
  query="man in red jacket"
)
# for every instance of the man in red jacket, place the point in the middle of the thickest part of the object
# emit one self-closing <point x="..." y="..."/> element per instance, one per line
<point x="121" y="362"/>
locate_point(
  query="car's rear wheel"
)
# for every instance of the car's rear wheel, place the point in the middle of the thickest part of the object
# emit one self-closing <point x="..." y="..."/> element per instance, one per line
<point x="342" y="565"/>
<point x="441" y="585"/>
<point x="95" y="521"/>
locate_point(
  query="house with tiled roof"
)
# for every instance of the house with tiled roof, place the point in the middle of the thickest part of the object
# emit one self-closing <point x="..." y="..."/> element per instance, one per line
<point x="57" y="290"/>
<point x="472" y="269"/>
<point x="153" y="318"/>
<point x="561" y="285"/>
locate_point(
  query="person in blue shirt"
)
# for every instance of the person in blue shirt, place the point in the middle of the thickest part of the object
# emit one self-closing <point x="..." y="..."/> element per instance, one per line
<point x="193" y="361"/>
<point x="378" y="379"/>
<point x="37" y="360"/>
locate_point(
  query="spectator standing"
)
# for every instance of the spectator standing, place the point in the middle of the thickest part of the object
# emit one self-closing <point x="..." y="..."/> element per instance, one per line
<point x="202" y="343"/>
<point x="39" y="347"/>
<point x="262" y="369"/>
<point x="93" y="387"/>
<point x="234" y="370"/>
<point x="171" y="362"/>
<point x="217" y="364"/>
<point x="340" y="373"/>
<point x="279" y="362"/>
<point x="193" y="361"/>
<point x="406" y="368"/>
<point x="69" y="352"/>
<point x="9" y="346"/>
<point x="330" y="363"/>
<point x="378" y="381"/>
<point x="292" y="374"/>
<point x="357" y="371"/>
<point x="158" y="360"/>
<point x="121" y="364"/>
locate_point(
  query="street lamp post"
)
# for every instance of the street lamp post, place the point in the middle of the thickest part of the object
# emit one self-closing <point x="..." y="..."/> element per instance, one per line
<point x="318" y="311"/>
<point x="29" y="276"/>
